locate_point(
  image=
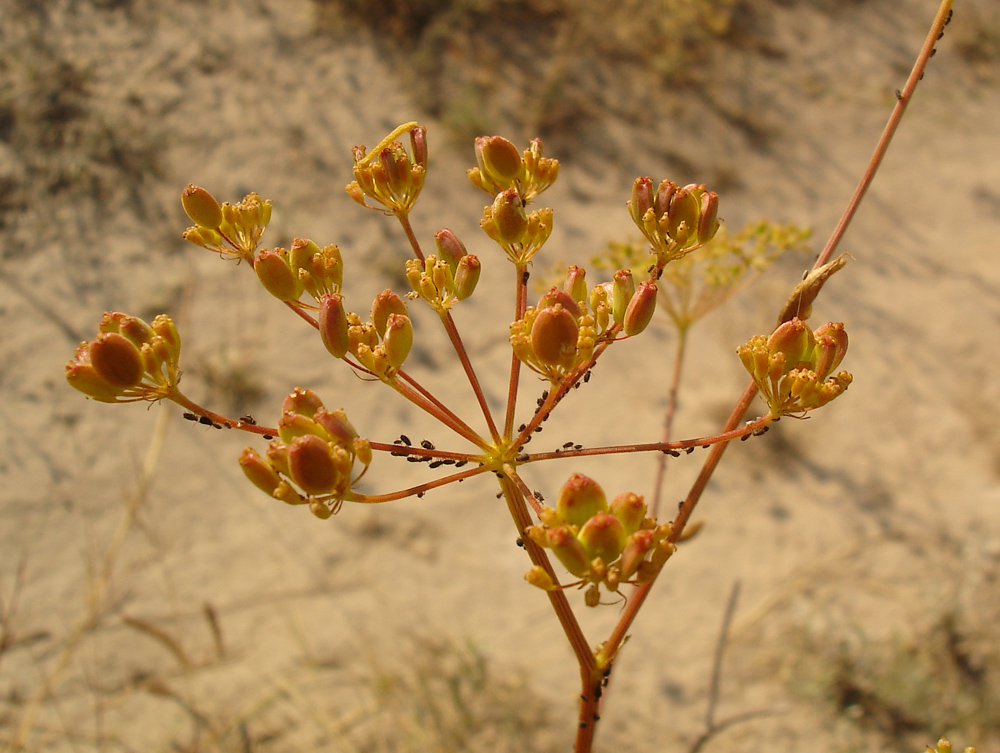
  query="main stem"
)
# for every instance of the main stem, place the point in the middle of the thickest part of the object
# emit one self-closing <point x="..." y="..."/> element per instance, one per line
<point x="590" y="675"/>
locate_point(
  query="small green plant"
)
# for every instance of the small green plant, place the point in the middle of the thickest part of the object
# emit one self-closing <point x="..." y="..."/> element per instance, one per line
<point x="614" y="546"/>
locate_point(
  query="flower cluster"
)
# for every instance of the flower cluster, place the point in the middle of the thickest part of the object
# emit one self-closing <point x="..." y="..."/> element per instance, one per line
<point x="674" y="220"/>
<point x="558" y="336"/>
<point x="316" y="450"/>
<point x="233" y="230"/>
<point x="450" y="276"/>
<point x="502" y="167"/>
<point x="380" y="345"/>
<point x="129" y="360"/>
<point x="600" y="543"/>
<point x="306" y="267"/>
<point x="389" y="175"/>
<point x="793" y="368"/>
<point x="518" y="233"/>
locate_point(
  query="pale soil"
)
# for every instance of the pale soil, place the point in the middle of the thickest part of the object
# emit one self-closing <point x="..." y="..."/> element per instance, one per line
<point x="866" y="539"/>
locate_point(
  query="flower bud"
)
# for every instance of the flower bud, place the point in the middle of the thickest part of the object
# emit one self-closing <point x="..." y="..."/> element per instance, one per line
<point x="165" y="329"/>
<point x="537" y="577"/>
<point x="386" y="303"/>
<point x="576" y="283"/>
<point x="116" y="360"/>
<point x="580" y="498"/>
<point x="554" y="335"/>
<point x="795" y="341"/>
<point x="418" y="146"/>
<point x="203" y="236"/>
<point x="500" y="159"/>
<point x="132" y="328"/>
<point x="831" y="347"/>
<point x="630" y="509"/>
<point x="508" y="217"/>
<point x="320" y="509"/>
<point x="682" y="223"/>
<point x="600" y="304"/>
<point x="560" y="296"/>
<point x="467" y="276"/>
<point x="639" y="544"/>
<point x="201" y="207"/>
<point x="81" y="376"/>
<point x="302" y="402"/>
<point x="312" y="466"/>
<point x="276" y="276"/>
<point x="449" y="248"/>
<point x="569" y="550"/>
<point x="333" y="325"/>
<point x="362" y="449"/>
<point x="642" y="200"/>
<point x="339" y="427"/>
<point x="640" y="309"/>
<point x="708" y="223"/>
<point x="662" y="553"/>
<point x="398" y="339"/>
<point x="259" y="471"/>
<point x="622" y="290"/>
<point x="603" y="536"/>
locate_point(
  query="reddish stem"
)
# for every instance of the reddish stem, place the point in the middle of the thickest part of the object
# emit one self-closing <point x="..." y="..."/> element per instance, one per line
<point x="470" y="373"/>
<point x="515" y="362"/>
<point x="219" y="420"/>
<point x="729" y="435"/>
<point x="668" y="419"/>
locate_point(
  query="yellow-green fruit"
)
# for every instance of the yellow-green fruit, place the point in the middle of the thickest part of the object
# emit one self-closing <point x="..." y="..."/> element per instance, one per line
<point x="580" y="498"/>
<point x="201" y="207"/>
<point x="116" y="360"/>
<point x="312" y="465"/>
<point x="554" y="335"/>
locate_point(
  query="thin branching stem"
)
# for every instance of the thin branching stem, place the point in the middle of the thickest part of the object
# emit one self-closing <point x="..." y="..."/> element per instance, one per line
<point x="515" y="362"/>
<point x="419" y="489"/>
<point x="218" y="420"/>
<point x="748" y="429"/>
<point x="404" y="220"/>
<point x="890" y="130"/>
<point x="410" y="389"/>
<point x="470" y="373"/>
<point x="668" y="419"/>
<point x="399" y="449"/>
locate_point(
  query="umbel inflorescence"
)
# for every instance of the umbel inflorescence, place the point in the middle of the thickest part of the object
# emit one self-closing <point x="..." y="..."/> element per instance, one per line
<point x="316" y="457"/>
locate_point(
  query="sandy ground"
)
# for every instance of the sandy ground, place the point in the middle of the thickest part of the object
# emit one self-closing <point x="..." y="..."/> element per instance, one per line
<point x="866" y="539"/>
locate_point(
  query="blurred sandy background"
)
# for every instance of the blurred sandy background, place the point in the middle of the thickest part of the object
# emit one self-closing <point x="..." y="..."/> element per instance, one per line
<point x="866" y="539"/>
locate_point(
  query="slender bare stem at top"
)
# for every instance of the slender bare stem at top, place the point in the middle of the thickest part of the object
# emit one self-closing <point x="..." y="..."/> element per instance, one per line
<point x="890" y="130"/>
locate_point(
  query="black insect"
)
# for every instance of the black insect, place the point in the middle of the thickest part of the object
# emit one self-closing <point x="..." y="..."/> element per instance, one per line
<point x="426" y="444"/>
